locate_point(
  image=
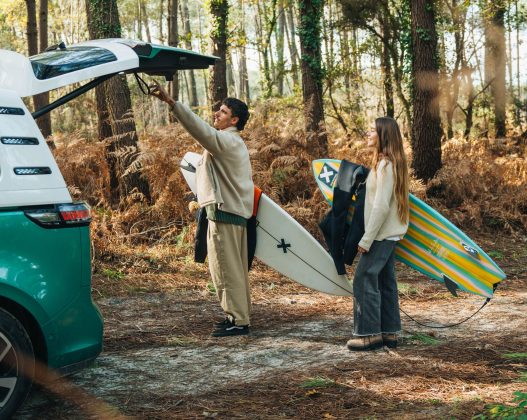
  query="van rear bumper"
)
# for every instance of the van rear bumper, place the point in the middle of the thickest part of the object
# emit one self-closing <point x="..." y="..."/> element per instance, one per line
<point x="75" y="340"/>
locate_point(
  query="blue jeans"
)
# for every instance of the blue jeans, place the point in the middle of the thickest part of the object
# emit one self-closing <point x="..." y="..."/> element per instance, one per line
<point x="376" y="302"/>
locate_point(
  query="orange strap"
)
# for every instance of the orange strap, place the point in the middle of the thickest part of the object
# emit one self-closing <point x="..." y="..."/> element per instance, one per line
<point x="257" y="195"/>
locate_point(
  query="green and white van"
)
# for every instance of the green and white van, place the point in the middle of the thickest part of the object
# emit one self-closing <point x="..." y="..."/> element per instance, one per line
<point x="47" y="316"/>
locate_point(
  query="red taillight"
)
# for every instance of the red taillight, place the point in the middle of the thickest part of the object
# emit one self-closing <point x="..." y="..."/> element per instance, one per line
<point x="61" y="215"/>
<point x="75" y="213"/>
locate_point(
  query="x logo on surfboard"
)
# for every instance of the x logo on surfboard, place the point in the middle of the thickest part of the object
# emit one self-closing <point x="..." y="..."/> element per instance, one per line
<point x="327" y="175"/>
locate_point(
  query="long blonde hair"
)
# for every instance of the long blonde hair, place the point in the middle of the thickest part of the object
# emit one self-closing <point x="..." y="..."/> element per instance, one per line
<point x="390" y="147"/>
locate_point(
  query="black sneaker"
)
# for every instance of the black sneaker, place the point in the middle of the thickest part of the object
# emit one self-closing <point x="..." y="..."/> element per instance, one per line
<point x="221" y="324"/>
<point x="229" y="329"/>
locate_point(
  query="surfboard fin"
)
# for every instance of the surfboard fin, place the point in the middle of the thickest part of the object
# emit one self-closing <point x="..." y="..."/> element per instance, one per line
<point x="450" y="285"/>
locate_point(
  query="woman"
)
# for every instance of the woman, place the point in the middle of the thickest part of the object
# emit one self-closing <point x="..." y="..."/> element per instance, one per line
<point x="376" y="306"/>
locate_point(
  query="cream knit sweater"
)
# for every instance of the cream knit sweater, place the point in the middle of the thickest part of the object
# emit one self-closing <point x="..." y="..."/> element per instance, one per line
<point x="223" y="175"/>
<point x="381" y="220"/>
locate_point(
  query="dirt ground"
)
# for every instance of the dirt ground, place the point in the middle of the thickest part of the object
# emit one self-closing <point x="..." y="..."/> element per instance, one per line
<point x="160" y="362"/>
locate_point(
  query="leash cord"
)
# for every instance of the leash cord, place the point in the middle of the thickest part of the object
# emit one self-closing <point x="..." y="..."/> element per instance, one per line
<point x="448" y="325"/>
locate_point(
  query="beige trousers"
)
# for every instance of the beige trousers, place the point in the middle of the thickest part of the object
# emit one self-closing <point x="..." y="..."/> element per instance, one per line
<point x="227" y="254"/>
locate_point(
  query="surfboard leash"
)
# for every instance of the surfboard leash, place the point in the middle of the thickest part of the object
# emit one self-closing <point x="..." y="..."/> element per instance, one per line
<point x="448" y="325"/>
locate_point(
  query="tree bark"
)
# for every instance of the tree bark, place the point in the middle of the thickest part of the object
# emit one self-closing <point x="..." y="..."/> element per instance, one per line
<point x="386" y="63"/>
<point x="41" y="100"/>
<point x="219" y="10"/>
<point x="426" y="127"/>
<point x="185" y="15"/>
<point x="126" y="181"/>
<point x="291" y="37"/>
<point x="280" y="64"/>
<point x="144" y="16"/>
<point x="242" y="63"/>
<point x="495" y="62"/>
<point x="309" y="30"/>
<point x="44" y="123"/>
<point x="173" y="41"/>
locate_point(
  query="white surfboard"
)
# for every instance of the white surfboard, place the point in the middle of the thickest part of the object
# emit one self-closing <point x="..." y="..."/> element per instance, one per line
<point x="283" y="244"/>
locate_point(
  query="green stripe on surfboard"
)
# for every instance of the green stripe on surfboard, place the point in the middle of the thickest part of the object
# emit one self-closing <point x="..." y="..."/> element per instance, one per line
<point x="433" y="245"/>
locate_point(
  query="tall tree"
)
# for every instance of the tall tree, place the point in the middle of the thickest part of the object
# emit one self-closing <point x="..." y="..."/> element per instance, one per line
<point x="291" y="40"/>
<point x="219" y="11"/>
<point x="426" y="126"/>
<point x="187" y="35"/>
<point x="280" y="34"/>
<point x="495" y="60"/>
<point x="40" y="100"/>
<point x="245" y="92"/>
<point x="458" y="13"/>
<point x="118" y="125"/>
<point x="309" y="31"/>
<point x="173" y="41"/>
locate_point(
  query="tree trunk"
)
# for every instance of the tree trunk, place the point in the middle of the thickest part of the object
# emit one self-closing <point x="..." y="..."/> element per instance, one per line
<point x="386" y="64"/>
<point x="426" y="127"/>
<point x="193" y="93"/>
<point x="173" y="41"/>
<point x="293" y="50"/>
<point x="452" y="94"/>
<point x="245" y="93"/>
<point x="41" y="100"/>
<point x="231" y="83"/>
<point x="161" y="20"/>
<point x="219" y="10"/>
<point x="280" y="64"/>
<point x="144" y="15"/>
<point x="309" y="30"/>
<point x="44" y="123"/>
<point x="469" y="113"/>
<point x="495" y="61"/>
<point x="126" y="181"/>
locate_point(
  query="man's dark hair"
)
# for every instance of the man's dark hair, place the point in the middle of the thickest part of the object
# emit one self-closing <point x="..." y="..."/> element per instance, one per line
<point x="238" y="109"/>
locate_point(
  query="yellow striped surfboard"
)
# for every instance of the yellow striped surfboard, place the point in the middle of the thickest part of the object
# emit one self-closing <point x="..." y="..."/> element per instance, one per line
<point x="432" y="245"/>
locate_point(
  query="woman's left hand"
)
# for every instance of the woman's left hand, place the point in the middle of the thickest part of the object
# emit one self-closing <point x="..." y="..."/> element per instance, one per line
<point x="362" y="250"/>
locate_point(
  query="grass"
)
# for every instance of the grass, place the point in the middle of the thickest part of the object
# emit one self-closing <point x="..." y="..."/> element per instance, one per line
<point x="180" y="341"/>
<point x="497" y="255"/>
<point x="514" y="356"/>
<point x="113" y="274"/>
<point x="211" y="288"/>
<point x="408" y="289"/>
<point x="317" y="382"/>
<point x="424" y="339"/>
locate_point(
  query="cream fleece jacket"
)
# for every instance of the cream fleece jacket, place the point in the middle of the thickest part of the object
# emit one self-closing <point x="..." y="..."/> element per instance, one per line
<point x="223" y="175"/>
<point x="381" y="220"/>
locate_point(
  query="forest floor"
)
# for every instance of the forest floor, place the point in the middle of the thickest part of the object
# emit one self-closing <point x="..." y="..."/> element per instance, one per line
<point x="159" y="360"/>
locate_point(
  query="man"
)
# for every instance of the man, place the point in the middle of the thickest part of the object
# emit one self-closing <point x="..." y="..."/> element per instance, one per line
<point x="226" y="190"/>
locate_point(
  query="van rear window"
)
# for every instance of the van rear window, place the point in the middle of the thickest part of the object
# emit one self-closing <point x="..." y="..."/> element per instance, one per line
<point x="57" y="62"/>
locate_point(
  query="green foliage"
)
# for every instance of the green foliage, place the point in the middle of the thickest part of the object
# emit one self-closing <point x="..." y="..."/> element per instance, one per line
<point x="497" y="255"/>
<point x="425" y="339"/>
<point x="514" y="356"/>
<point x="113" y="274"/>
<point x="219" y="11"/>
<point x="211" y="288"/>
<point x="309" y="31"/>
<point x="318" y="382"/>
<point x="424" y="34"/>
<point x="501" y="411"/>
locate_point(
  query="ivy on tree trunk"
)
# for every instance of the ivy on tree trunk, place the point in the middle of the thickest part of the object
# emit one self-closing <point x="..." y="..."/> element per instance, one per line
<point x="309" y="32"/>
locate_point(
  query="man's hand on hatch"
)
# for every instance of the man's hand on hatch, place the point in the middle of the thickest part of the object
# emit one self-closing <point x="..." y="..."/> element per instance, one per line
<point x="160" y="93"/>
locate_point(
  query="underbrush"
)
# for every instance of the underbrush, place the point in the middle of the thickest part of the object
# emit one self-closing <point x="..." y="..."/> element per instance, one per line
<point x="482" y="185"/>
